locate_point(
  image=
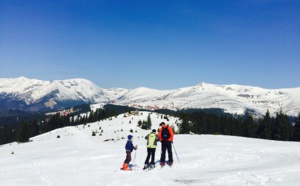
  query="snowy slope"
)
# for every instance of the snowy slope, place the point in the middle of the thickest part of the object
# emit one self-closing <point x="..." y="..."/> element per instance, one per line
<point x="231" y="98"/>
<point x="37" y="94"/>
<point x="72" y="88"/>
<point x="29" y="94"/>
<point x="78" y="158"/>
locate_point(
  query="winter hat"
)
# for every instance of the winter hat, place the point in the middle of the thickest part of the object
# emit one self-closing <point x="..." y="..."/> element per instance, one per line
<point x="162" y="123"/>
<point x="129" y="137"/>
<point x="153" y="130"/>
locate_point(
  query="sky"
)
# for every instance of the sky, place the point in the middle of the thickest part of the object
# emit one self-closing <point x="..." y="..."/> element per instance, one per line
<point x="152" y="43"/>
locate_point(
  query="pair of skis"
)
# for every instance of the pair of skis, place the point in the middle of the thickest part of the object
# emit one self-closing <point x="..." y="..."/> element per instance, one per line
<point x="161" y="166"/>
<point x="134" y="167"/>
<point x="150" y="167"/>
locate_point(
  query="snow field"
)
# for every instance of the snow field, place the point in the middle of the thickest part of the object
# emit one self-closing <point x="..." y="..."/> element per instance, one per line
<point x="78" y="158"/>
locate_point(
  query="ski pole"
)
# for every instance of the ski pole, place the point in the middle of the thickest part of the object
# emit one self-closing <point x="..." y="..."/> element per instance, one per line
<point x="175" y="152"/>
<point x="133" y="161"/>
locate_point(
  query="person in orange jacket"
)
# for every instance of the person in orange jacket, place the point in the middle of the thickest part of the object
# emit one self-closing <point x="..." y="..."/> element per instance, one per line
<point x="166" y="135"/>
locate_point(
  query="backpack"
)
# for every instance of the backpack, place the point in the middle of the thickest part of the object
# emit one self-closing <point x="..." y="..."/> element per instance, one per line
<point x="165" y="134"/>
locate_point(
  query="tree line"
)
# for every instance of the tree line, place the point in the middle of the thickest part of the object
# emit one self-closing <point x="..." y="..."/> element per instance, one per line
<point x="278" y="127"/>
<point x="26" y="129"/>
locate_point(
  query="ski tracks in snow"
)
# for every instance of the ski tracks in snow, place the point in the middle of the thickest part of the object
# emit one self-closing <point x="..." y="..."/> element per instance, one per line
<point x="47" y="180"/>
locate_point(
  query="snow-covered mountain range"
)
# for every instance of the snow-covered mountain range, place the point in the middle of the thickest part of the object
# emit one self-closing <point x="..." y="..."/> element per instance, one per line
<point x="34" y="95"/>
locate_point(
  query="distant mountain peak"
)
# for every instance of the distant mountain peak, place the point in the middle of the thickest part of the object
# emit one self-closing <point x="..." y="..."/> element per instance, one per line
<point x="30" y="94"/>
<point x="201" y="84"/>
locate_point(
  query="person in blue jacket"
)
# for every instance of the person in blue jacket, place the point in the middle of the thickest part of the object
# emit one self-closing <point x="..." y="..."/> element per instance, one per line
<point x="129" y="148"/>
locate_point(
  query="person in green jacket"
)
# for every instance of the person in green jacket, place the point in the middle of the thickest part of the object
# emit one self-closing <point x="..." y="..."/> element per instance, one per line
<point x="152" y="140"/>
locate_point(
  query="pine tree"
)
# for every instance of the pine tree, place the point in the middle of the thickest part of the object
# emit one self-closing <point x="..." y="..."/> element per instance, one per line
<point x="140" y="123"/>
<point x="34" y="129"/>
<point x="149" y="123"/>
<point x="1" y="139"/>
<point x="296" y="132"/>
<point x="7" y="135"/>
<point x="253" y="127"/>
<point x="265" y="127"/>
<point x="166" y="117"/>
<point x="184" y="127"/>
<point x="239" y="127"/>
<point x="282" y="127"/>
<point x="91" y="117"/>
<point x="23" y="133"/>
<point x="144" y="125"/>
<point x="197" y="122"/>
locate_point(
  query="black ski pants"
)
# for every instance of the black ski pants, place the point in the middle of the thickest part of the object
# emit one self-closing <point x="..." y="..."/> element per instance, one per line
<point x="151" y="153"/>
<point x="166" y="145"/>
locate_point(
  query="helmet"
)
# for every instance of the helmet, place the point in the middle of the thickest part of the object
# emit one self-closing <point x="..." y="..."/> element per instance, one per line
<point x="129" y="137"/>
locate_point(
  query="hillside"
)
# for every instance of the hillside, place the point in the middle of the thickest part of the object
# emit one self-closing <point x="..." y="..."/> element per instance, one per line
<point x="36" y="95"/>
<point x="78" y="158"/>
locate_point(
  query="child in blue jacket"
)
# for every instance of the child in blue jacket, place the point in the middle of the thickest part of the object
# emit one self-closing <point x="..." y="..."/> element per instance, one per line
<point x="129" y="148"/>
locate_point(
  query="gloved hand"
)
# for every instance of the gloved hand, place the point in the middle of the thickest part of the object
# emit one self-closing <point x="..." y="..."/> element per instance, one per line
<point x="135" y="147"/>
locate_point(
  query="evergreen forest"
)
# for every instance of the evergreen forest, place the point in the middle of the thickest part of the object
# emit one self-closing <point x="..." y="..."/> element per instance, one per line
<point x="195" y="121"/>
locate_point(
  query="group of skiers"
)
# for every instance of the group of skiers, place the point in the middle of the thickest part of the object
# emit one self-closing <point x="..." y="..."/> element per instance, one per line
<point x="165" y="136"/>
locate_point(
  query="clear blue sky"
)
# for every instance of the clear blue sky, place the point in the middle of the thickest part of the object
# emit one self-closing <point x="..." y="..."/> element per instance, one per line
<point x="162" y="44"/>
